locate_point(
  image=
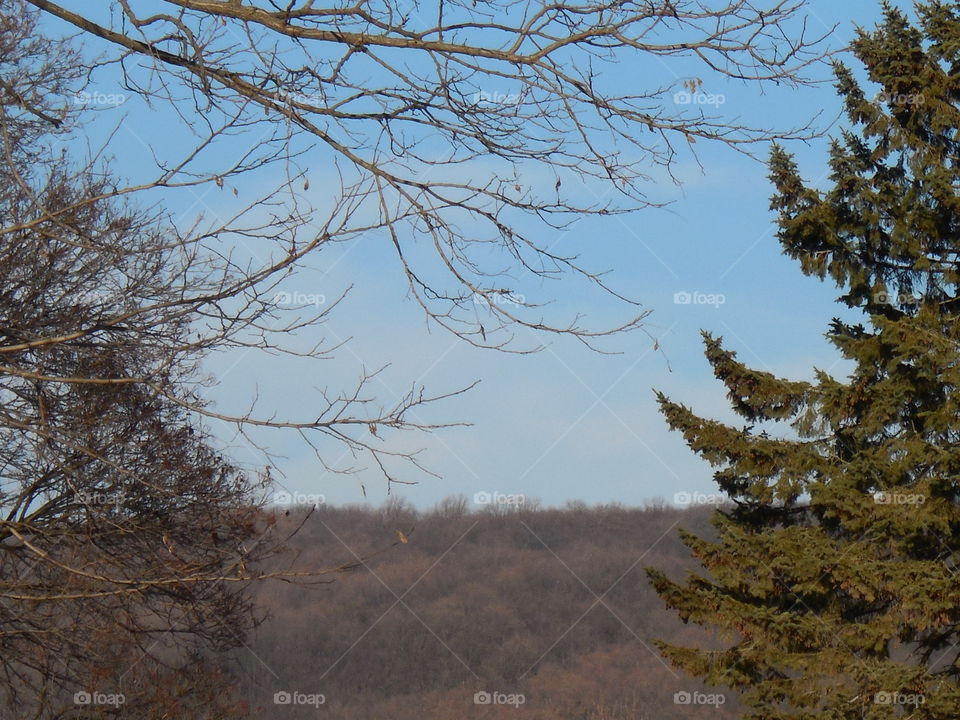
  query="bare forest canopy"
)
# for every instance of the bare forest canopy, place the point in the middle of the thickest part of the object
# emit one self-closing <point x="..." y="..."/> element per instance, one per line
<point x="549" y="604"/>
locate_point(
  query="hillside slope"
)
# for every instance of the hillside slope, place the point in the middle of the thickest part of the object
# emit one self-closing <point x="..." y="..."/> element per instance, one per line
<point x="550" y="605"/>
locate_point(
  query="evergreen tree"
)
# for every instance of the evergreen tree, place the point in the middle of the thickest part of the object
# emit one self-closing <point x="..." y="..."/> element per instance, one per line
<point x="834" y="576"/>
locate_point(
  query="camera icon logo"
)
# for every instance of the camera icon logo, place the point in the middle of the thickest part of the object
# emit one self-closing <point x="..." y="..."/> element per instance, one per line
<point x="482" y="498"/>
<point x="482" y="698"/>
<point x="282" y="698"/>
<point x="682" y="698"/>
<point x="682" y="298"/>
<point x="82" y="698"/>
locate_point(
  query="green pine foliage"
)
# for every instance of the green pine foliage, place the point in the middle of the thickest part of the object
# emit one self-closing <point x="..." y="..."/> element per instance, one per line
<point x="835" y="572"/>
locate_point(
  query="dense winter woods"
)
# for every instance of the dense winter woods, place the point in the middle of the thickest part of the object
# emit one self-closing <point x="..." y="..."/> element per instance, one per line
<point x="551" y="605"/>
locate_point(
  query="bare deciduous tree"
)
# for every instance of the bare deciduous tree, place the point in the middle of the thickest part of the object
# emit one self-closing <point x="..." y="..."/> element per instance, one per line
<point x="126" y="538"/>
<point x="452" y="126"/>
<point x="464" y="138"/>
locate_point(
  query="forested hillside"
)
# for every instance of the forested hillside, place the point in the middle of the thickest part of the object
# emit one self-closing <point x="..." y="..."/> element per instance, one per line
<point x="551" y="605"/>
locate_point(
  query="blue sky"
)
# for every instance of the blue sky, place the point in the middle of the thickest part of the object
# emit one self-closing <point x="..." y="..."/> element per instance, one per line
<point x="563" y="424"/>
